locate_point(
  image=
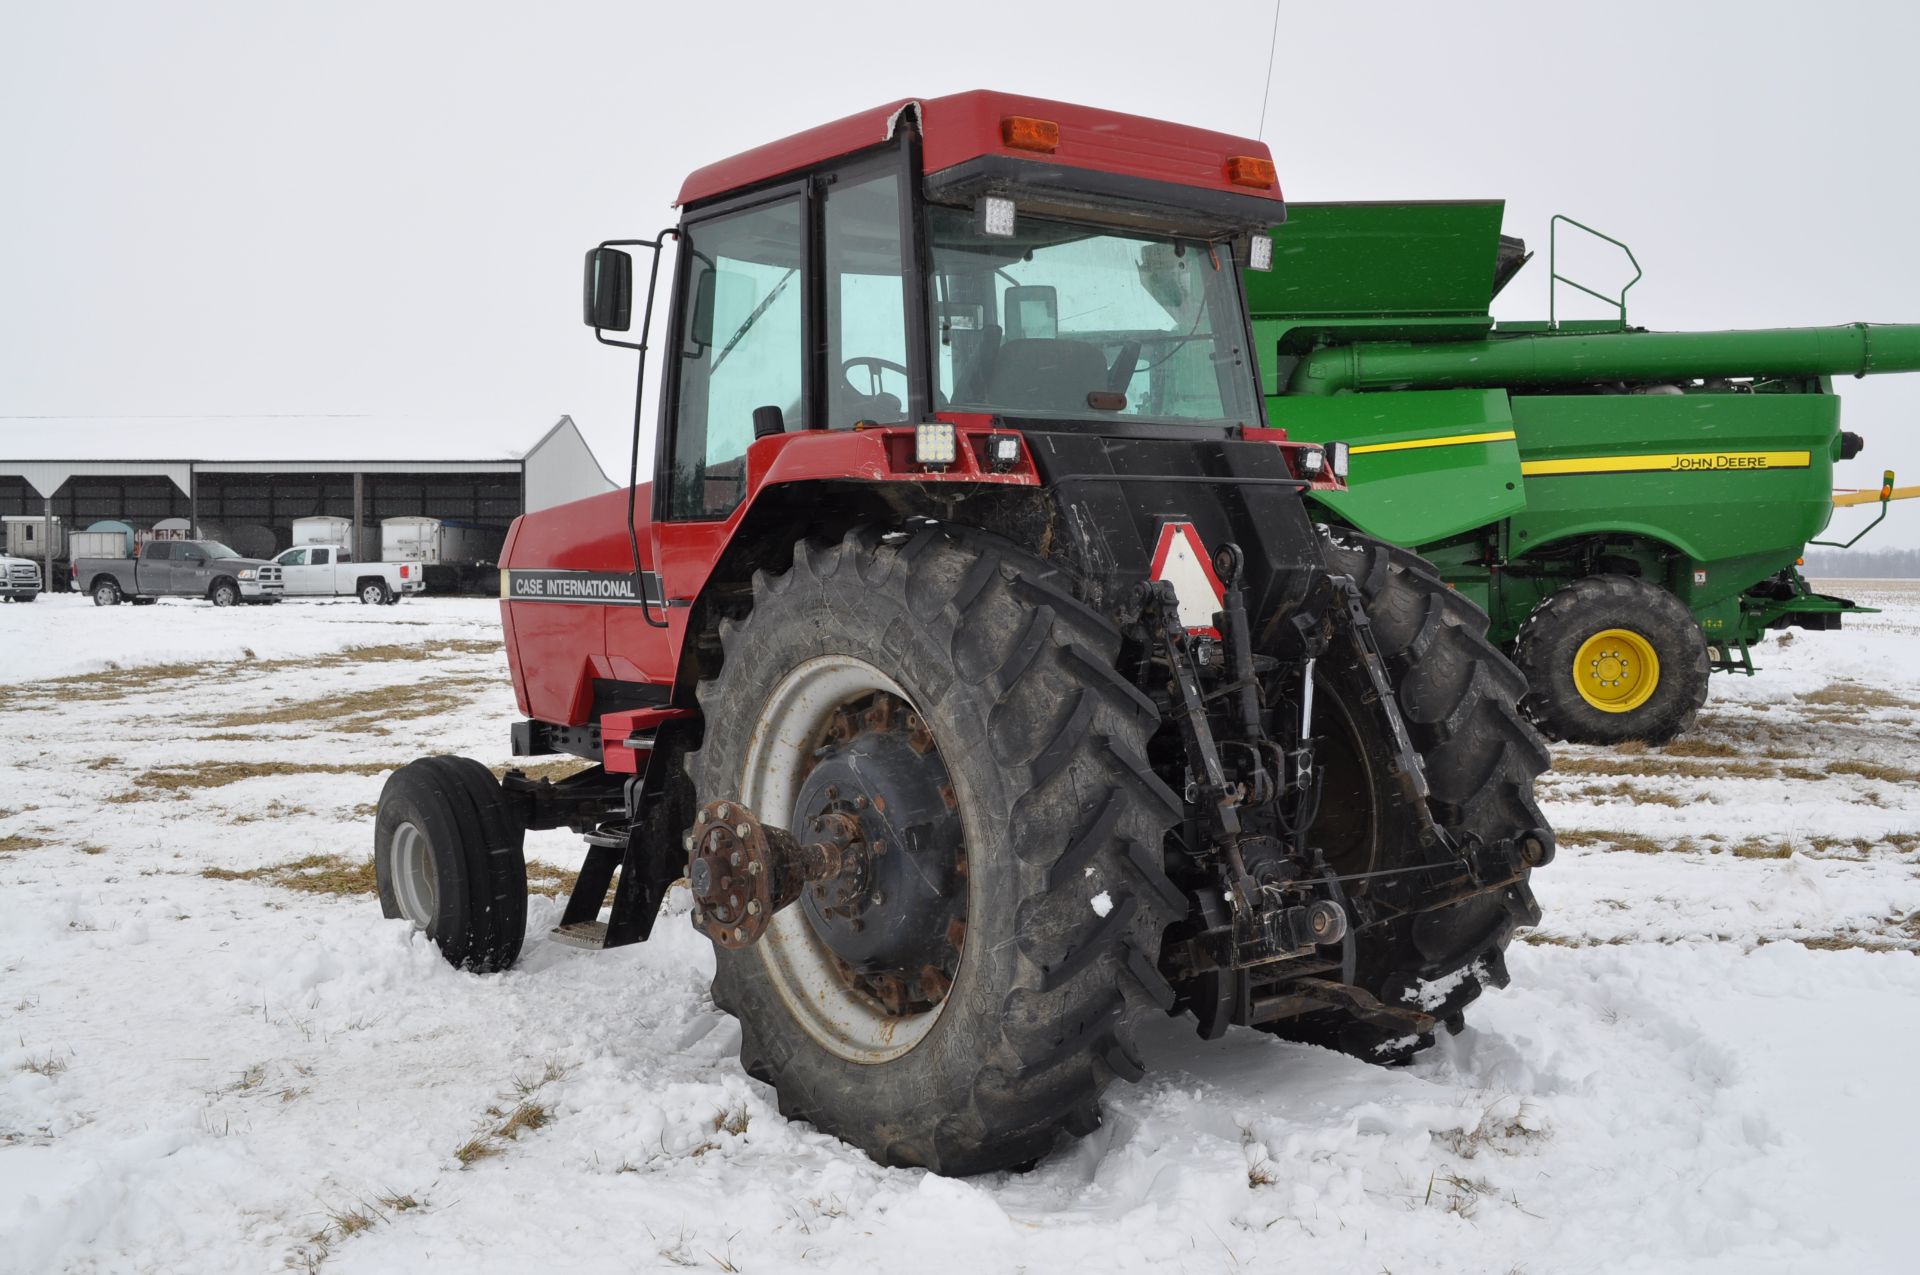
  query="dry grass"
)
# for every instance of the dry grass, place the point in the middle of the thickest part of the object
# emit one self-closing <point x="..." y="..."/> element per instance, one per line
<point x="115" y="682"/>
<point x="1699" y="748"/>
<point x="476" y="1148"/>
<point x="218" y="774"/>
<point x="315" y="874"/>
<point x="1854" y="695"/>
<point x="1636" y="795"/>
<point x="1762" y="848"/>
<point x="733" y="1120"/>
<point x="19" y="841"/>
<point x="1631" y="842"/>
<point x="554" y="770"/>
<point x="48" y="1065"/>
<point x="387" y="703"/>
<point x="92" y="849"/>
<point x="1685" y="768"/>
<point x="1872" y="770"/>
<point x="1497" y="1130"/>
<point x="1900" y="841"/>
<point x="549" y="880"/>
<point x="526" y="1116"/>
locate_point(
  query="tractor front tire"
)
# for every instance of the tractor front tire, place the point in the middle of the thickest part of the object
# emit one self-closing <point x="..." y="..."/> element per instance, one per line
<point x="448" y="855"/>
<point x="1612" y="658"/>
<point x="1459" y="698"/>
<point x="1048" y="880"/>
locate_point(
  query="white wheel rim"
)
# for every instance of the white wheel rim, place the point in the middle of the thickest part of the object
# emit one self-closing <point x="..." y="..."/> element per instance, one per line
<point x="414" y="886"/>
<point x="370" y="594"/>
<point x="797" y="962"/>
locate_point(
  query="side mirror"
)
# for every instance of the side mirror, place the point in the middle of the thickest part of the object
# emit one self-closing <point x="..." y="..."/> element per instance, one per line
<point x="700" y="325"/>
<point x="1032" y="312"/>
<point x="607" y="302"/>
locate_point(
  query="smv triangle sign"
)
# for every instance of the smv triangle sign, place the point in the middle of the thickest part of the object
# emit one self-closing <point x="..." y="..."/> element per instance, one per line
<point x="1183" y="562"/>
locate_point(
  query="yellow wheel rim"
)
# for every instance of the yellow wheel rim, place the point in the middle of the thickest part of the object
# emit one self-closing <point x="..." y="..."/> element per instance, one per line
<point x="1616" y="670"/>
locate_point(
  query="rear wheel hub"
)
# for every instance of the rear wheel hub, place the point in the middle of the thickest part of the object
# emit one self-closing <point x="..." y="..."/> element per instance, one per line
<point x="894" y="916"/>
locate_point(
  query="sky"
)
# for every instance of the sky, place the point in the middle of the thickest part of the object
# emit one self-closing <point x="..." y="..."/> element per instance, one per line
<point x="380" y="209"/>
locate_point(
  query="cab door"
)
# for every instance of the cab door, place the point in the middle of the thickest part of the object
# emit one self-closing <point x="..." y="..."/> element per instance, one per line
<point x="299" y="578"/>
<point x="192" y="572"/>
<point x="154" y="568"/>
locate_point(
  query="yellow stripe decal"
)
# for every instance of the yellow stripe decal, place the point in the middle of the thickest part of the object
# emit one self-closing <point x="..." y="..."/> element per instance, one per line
<point x="1450" y="440"/>
<point x="1673" y="462"/>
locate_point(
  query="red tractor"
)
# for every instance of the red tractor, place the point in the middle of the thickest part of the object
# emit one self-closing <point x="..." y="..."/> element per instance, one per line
<point x="971" y="654"/>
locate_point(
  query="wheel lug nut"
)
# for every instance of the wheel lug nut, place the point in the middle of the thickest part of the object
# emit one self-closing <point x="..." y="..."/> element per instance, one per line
<point x="734" y="858"/>
<point x="753" y="869"/>
<point x="740" y="831"/>
<point x="753" y="907"/>
<point x="876" y="898"/>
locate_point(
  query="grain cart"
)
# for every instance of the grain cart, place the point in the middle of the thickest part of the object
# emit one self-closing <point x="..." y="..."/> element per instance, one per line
<point x="971" y="654"/>
<point x="1628" y="506"/>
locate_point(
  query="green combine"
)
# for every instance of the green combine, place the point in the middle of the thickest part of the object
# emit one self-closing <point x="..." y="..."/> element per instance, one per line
<point x="1628" y="506"/>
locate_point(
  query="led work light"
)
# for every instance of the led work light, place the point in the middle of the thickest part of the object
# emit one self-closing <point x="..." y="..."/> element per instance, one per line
<point x="1338" y="455"/>
<point x="1260" y="253"/>
<point x="994" y="216"/>
<point x="933" y="444"/>
<point x="1313" y="462"/>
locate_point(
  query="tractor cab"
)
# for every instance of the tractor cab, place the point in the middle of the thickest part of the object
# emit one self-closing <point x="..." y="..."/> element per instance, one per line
<point x="967" y="257"/>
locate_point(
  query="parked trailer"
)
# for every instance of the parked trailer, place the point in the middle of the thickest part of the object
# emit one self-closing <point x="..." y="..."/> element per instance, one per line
<point x="34" y="536"/>
<point x="325" y="529"/>
<point x="458" y="556"/>
<point x="100" y="544"/>
<point x="438" y="541"/>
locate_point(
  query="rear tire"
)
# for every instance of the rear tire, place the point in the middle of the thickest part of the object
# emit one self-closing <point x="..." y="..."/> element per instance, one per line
<point x="1576" y="638"/>
<point x="448" y="855"/>
<point x="106" y="594"/>
<point x="1459" y="698"/>
<point x="375" y="593"/>
<point x="1060" y="820"/>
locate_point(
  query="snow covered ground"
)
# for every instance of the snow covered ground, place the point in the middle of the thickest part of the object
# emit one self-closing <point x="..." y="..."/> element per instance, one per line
<point x="1702" y="1065"/>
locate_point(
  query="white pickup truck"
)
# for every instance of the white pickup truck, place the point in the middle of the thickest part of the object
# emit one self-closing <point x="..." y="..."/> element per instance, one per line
<point x="19" y="579"/>
<point x="329" y="571"/>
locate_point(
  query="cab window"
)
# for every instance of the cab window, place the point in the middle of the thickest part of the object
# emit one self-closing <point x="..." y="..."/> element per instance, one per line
<point x="739" y="349"/>
<point x="294" y="558"/>
<point x="321" y="557"/>
<point x="866" y="370"/>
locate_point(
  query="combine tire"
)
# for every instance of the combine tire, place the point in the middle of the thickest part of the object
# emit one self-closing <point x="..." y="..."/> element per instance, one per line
<point x="1459" y="697"/>
<point x="448" y="856"/>
<point x="983" y="995"/>
<point x="1612" y="658"/>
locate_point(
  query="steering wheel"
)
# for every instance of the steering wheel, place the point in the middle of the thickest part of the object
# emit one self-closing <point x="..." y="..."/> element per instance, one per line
<point x="875" y="366"/>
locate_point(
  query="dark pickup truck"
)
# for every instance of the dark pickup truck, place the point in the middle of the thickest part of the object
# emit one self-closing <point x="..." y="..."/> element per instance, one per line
<point x="179" y="569"/>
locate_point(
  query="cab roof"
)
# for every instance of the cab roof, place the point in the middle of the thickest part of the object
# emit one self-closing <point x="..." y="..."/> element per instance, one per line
<point x="968" y="126"/>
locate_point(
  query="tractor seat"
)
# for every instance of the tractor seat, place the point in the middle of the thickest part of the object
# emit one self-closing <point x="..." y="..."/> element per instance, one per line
<point x="1046" y="376"/>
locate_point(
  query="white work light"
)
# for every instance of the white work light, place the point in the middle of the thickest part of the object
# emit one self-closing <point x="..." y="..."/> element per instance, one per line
<point x="1337" y="459"/>
<point x="1003" y="452"/>
<point x="1260" y="253"/>
<point x="994" y="213"/>
<point x="1312" y="461"/>
<point x="933" y="444"/>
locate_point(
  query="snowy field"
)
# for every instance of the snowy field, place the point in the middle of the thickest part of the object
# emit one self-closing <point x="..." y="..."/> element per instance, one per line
<point x="210" y="1063"/>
